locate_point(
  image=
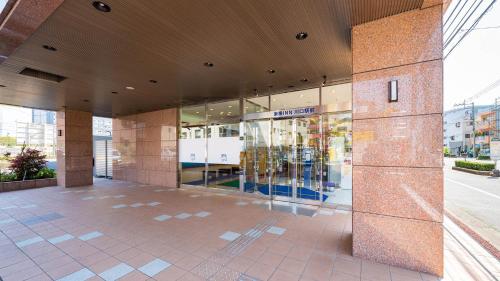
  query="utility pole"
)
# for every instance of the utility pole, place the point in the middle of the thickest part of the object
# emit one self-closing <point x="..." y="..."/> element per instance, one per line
<point x="496" y="133"/>
<point x="465" y="104"/>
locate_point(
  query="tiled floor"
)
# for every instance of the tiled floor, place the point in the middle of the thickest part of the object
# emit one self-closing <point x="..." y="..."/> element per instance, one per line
<point x="117" y="230"/>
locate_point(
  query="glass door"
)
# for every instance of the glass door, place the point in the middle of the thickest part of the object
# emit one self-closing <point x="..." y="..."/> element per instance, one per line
<point x="337" y="160"/>
<point x="283" y="156"/>
<point x="257" y="142"/>
<point x="308" y="145"/>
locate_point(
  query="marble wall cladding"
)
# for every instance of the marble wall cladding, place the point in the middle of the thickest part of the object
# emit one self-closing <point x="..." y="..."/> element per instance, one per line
<point x="406" y="38"/>
<point x="414" y="244"/>
<point x="74" y="148"/>
<point x="21" y="21"/>
<point x="147" y="145"/>
<point x="420" y="91"/>
<point x="409" y="141"/>
<point x="414" y="193"/>
<point x="430" y="3"/>
<point x="397" y="147"/>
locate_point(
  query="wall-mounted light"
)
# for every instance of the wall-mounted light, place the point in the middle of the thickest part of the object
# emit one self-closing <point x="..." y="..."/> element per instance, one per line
<point x="393" y="91"/>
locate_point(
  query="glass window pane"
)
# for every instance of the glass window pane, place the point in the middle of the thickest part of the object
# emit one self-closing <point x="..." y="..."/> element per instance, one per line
<point x="337" y="164"/>
<point x="258" y="104"/>
<point x="192" y="145"/>
<point x="337" y="97"/>
<point x="296" y="99"/>
<point x="224" y="145"/>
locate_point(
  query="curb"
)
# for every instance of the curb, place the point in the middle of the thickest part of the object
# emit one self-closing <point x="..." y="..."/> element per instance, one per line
<point x="485" y="244"/>
<point x="470" y="171"/>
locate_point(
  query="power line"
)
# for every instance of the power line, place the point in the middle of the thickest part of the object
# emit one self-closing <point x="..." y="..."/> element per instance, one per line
<point x="468" y="31"/>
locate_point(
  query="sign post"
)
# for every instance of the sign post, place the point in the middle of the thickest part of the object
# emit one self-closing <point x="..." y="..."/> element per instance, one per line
<point x="495" y="155"/>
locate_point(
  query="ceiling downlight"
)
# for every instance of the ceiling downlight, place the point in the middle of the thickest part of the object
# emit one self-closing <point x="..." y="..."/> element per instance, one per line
<point x="301" y="35"/>
<point x="101" y="6"/>
<point x="49" y="48"/>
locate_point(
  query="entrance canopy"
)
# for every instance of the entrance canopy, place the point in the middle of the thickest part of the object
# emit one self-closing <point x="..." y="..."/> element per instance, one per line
<point x="179" y="52"/>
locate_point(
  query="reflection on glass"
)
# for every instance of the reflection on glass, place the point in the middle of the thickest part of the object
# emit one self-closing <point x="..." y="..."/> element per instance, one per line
<point x="337" y="97"/>
<point x="283" y="157"/>
<point x="337" y="163"/>
<point x="224" y="145"/>
<point x="308" y="158"/>
<point x="296" y="99"/>
<point x="192" y="145"/>
<point x="256" y="156"/>
<point x="258" y="104"/>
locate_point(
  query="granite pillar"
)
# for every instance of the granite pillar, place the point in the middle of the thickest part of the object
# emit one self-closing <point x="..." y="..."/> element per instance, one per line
<point x="146" y="148"/>
<point x="397" y="146"/>
<point x="74" y="148"/>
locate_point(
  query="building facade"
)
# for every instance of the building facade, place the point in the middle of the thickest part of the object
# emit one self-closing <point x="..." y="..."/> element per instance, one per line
<point x="341" y="107"/>
<point x="461" y="126"/>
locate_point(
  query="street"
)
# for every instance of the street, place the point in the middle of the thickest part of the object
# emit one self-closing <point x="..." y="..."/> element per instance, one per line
<point x="475" y="200"/>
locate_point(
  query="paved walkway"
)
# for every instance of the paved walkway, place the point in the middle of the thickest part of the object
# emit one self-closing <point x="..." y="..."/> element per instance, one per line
<point x="118" y="230"/>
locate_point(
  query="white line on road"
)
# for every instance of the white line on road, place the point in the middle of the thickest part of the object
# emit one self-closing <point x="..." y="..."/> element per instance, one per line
<point x="471" y="187"/>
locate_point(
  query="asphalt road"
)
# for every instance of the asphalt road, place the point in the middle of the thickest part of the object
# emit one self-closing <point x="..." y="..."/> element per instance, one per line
<point x="475" y="200"/>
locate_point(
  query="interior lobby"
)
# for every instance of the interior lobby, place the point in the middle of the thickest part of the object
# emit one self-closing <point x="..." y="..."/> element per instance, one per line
<point x="251" y="140"/>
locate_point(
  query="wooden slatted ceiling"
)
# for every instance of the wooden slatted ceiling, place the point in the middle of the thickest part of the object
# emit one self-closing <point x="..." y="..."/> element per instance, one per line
<point x="169" y="41"/>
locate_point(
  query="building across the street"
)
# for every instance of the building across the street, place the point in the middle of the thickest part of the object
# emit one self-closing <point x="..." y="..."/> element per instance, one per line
<point x="459" y="125"/>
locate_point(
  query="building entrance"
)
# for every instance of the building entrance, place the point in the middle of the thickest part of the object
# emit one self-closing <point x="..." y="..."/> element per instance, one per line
<point x="283" y="159"/>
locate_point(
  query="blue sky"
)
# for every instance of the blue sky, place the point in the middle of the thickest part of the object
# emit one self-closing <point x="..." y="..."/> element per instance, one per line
<point x="475" y="63"/>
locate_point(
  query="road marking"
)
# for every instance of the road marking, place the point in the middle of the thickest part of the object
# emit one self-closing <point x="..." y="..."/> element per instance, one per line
<point x="471" y="187"/>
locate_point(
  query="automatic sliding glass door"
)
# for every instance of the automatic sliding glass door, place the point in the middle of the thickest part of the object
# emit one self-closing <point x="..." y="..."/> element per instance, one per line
<point x="257" y="141"/>
<point x="308" y="145"/>
<point x="283" y="160"/>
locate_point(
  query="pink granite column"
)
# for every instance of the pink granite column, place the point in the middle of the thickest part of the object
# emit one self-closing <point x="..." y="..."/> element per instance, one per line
<point x="146" y="146"/>
<point x="74" y="148"/>
<point x="397" y="146"/>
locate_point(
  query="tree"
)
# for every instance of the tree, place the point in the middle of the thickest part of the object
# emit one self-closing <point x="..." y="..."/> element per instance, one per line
<point x="28" y="163"/>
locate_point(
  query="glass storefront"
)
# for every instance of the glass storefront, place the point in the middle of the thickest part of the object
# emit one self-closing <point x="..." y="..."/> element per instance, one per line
<point x="295" y="146"/>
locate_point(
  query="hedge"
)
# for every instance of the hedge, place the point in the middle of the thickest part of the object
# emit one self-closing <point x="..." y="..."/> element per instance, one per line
<point x="475" y="165"/>
<point x="483" y="157"/>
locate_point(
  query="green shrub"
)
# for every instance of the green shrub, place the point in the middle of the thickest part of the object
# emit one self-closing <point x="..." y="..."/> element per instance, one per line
<point x="27" y="163"/>
<point x="45" y="173"/>
<point x="8" y="176"/>
<point x="475" y="165"/>
<point x="483" y="157"/>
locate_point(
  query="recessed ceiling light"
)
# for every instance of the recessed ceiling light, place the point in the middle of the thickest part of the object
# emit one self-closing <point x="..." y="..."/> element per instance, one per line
<point x="114" y="92"/>
<point x="208" y="64"/>
<point x="85" y="100"/>
<point x="153" y="81"/>
<point x="290" y="86"/>
<point x="50" y="48"/>
<point x="130" y="88"/>
<point x="301" y="35"/>
<point x="229" y="106"/>
<point x="304" y="80"/>
<point x="211" y="109"/>
<point x="197" y="112"/>
<point x="101" y="6"/>
<point x="274" y="99"/>
<point x="271" y="71"/>
<point x="2" y="86"/>
<point x="301" y="95"/>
